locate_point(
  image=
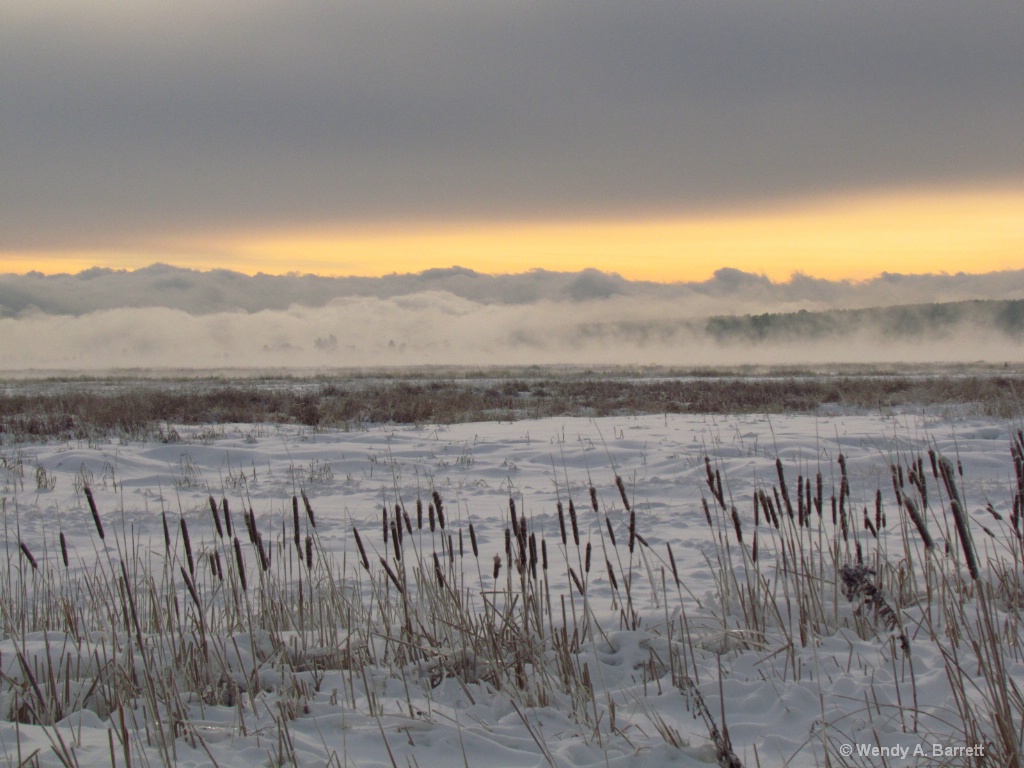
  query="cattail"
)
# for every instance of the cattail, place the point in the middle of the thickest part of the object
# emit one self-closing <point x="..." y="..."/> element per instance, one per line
<point x="497" y="566"/>
<point x="188" y="547"/>
<point x="295" y="524"/>
<point x="309" y="509"/>
<point x="240" y="561"/>
<point x="672" y="562"/>
<point x="992" y="511"/>
<point x="611" y="575"/>
<point x="879" y="513"/>
<point x="561" y="524"/>
<point x="868" y="524"/>
<point x="262" y="550"/>
<point x="512" y="513"/>
<point x="227" y="515"/>
<point x="393" y="577"/>
<point x="191" y="588"/>
<point x="397" y="531"/>
<point x="508" y="544"/>
<point x="946" y="469"/>
<point x="64" y="549"/>
<point x="753" y="551"/>
<point x="95" y="513"/>
<point x="807" y="501"/>
<point x="438" y="573"/>
<point x="736" y="524"/>
<point x="932" y="459"/>
<point x="451" y="550"/>
<point x="396" y="542"/>
<point x="430" y="510"/>
<point x="817" y="494"/>
<point x="419" y="513"/>
<point x="472" y="541"/>
<point x="964" y="533"/>
<point x="632" y="531"/>
<point x="593" y="501"/>
<point x="922" y="486"/>
<point x="521" y="544"/>
<point x="918" y="521"/>
<point x="575" y="527"/>
<point x="544" y="553"/>
<point x="309" y="552"/>
<point x="707" y="512"/>
<point x="167" y="534"/>
<point x="362" y="552"/>
<point x="622" y="492"/>
<point x="611" y="533"/>
<point x="784" y="488"/>
<point x="586" y="561"/>
<point x="216" y="517"/>
<point x="800" y="500"/>
<point x="896" y="484"/>
<point x="576" y="581"/>
<point x="28" y="556"/>
<point x="218" y="567"/>
<point x="384" y="521"/>
<point x="440" y="509"/>
<point x="533" y="555"/>
<point x="408" y="522"/>
<point x="250" y="524"/>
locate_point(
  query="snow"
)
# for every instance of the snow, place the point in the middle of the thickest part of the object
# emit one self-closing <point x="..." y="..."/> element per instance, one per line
<point x="784" y="700"/>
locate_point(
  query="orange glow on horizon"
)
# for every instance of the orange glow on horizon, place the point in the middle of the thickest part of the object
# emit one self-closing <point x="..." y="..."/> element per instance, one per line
<point x="855" y="238"/>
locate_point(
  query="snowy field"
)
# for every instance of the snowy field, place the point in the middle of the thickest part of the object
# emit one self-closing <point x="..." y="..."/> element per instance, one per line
<point x="786" y="590"/>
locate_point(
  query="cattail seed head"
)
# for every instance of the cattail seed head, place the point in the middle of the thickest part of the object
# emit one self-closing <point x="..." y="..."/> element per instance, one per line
<point x="309" y="509"/>
<point x="240" y="562"/>
<point x="216" y="517"/>
<point x="95" y="514"/>
<point x="622" y="492"/>
<point x="188" y="547"/>
<point x="362" y="551"/>
<point x="227" y="515"/>
<point x="28" y="556"/>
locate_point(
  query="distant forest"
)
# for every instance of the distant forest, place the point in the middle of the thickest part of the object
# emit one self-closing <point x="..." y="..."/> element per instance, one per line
<point x="917" y="320"/>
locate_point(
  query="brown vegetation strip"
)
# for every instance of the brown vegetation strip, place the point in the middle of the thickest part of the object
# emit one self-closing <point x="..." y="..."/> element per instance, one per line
<point x="149" y="411"/>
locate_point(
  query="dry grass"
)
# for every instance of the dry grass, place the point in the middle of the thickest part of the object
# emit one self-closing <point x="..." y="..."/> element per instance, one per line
<point x="220" y="615"/>
<point x="101" y="409"/>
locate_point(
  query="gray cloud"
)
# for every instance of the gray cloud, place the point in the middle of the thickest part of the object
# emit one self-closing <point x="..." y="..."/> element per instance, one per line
<point x="124" y="122"/>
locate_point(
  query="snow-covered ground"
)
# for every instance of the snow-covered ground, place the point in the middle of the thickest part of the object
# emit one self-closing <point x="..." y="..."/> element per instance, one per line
<point x="766" y="646"/>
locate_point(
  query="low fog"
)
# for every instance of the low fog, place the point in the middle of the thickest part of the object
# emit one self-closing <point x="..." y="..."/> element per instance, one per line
<point x="166" y="317"/>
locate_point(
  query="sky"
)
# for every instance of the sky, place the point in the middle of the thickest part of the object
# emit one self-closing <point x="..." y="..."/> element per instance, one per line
<point x="658" y="140"/>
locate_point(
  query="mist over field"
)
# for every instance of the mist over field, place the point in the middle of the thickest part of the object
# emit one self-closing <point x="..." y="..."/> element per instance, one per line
<point x="164" y="316"/>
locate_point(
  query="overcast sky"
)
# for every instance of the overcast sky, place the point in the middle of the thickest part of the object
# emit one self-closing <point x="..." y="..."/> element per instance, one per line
<point x="125" y="124"/>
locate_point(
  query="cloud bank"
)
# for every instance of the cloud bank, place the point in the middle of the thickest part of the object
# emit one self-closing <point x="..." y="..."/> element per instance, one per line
<point x="168" y="317"/>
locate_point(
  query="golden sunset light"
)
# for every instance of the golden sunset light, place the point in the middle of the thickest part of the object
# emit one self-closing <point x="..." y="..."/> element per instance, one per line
<point x="851" y="239"/>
